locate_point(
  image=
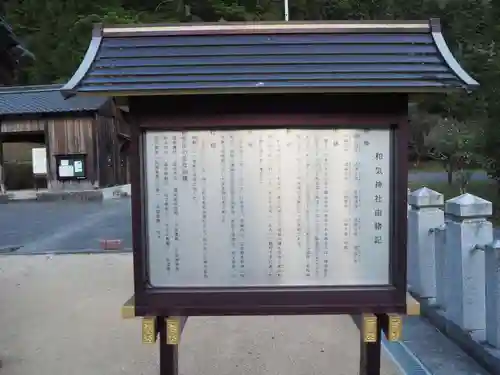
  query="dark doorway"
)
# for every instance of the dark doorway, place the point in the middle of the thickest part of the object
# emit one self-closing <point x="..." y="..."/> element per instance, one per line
<point x="18" y="161"/>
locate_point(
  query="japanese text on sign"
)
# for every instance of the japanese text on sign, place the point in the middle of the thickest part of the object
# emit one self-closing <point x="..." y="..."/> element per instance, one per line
<point x="268" y="207"/>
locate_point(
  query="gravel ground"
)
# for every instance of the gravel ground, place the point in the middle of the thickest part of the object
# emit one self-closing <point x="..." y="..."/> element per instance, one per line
<point x="61" y="315"/>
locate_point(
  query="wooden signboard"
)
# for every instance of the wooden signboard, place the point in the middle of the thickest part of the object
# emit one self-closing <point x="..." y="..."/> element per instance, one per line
<point x="269" y="166"/>
<point x="251" y="219"/>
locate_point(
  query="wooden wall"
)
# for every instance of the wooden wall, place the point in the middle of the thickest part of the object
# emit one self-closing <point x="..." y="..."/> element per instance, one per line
<point x="73" y="135"/>
<point x="22" y="125"/>
<point x="112" y="156"/>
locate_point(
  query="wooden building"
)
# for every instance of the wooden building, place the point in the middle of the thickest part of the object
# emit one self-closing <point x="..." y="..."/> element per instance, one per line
<point x="12" y="54"/>
<point x="74" y="144"/>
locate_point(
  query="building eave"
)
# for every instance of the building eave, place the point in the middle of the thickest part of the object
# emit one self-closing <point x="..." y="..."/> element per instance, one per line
<point x="68" y="89"/>
<point x="448" y="57"/>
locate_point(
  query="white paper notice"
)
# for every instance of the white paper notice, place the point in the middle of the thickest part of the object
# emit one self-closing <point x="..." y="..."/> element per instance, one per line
<point x="78" y="165"/>
<point x="39" y="160"/>
<point x="66" y="171"/>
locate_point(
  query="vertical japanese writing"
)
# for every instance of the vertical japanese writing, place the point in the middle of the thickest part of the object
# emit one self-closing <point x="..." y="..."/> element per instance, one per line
<point x="357" y="171"/>
<point x="298" y="190"/>
<point x="223" y="177"/>
<point x="347" y="170"/>
<point x="241" y="183"/>
<point x="204" y="218"/>
<point x="166" y="204"/>
<point x="194" y="165"/>
<point x="356" y="231"/>
<point x="270" y="216"/>
<point x="317" y="215"/>
<point x="177" y="218"/>
<point x="232" y="195"/>
<point x="307" y="211"/>
<point x="157" y="187"/>
<point x="185" y="171"/>
<point x="379" y="200"/>
<point x="279" y="229"/>
<point x="261" y="160"/>
<point x="347" y="193"/>
<point x="356" y="211"/>
<point x="326" y="207"/>
<point x="174" y="158"/>
<point x="157" y="164"/>
<point x="357" y="141"/>
<point x="346" y="142"/>
<point x="177" y="236"/>
<point x="165" y="161"/>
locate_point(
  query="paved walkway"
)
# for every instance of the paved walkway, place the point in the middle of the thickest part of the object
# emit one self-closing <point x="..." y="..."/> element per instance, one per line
<point x="61" y="315"/>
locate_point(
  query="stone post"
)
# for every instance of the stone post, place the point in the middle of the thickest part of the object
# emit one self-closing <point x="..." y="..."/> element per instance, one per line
<point x="492" y="274"/>
<point x="467" y="230"/>
<point x="442" y="272"/>
<point x="425" y="214"/>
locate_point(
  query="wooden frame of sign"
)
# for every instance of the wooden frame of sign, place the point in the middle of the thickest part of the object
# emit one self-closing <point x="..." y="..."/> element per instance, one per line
<point x="374" y="125"/>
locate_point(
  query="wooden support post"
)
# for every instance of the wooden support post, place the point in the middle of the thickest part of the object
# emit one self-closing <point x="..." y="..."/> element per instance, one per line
<point x="370" y="345"/>
<point x="169" y="354"/>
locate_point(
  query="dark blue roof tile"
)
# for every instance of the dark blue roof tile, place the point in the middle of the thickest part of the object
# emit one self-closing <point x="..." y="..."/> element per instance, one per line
<point x="21" y="100"/>
<point x="357" y="56"/>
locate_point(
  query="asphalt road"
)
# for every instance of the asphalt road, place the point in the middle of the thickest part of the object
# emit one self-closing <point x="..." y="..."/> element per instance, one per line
<point x="29" y="227"/>
<point x="439" y="177"/>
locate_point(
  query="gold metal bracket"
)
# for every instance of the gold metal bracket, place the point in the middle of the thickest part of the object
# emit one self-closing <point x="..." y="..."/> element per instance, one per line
<point x="149" y="331"/>
<point x="128" y="309"/>
<point x="392" y="324"/>
<point x="412" y="305"/>
<point x="369" y="328"/>
<point x="173" y="325"/>
<point x="394" y="327"/>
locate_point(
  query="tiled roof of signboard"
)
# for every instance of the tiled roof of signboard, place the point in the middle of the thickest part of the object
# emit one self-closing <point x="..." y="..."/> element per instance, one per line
<point x="20" y="100"/>
<point x="354" y="56"/>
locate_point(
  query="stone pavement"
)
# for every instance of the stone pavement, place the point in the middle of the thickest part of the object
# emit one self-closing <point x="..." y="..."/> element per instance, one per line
<point x="61" y="315"/>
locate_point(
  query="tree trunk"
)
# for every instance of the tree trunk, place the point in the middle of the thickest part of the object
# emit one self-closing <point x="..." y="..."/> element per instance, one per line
<point x="449" y="169"/>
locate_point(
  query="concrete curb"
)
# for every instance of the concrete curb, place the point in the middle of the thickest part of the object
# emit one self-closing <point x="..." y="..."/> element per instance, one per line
<point x="486" y="356"/>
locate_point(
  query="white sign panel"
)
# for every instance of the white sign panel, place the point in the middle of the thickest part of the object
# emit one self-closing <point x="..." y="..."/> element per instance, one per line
<point x="66" y="170"/>
<point x="268" y="207"/>
<point x="39" y="160"/>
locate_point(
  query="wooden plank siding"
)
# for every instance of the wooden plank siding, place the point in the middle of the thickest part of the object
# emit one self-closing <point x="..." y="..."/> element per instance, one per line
<point x="111" y="160"/>
<point x="22" y="125"/>
<point x="72" y="136"/>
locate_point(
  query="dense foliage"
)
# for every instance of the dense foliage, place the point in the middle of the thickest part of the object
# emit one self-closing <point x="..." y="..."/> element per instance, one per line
<point x="58" y="33"/>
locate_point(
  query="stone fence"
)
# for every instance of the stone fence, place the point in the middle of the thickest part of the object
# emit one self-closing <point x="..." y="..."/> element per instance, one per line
<point x="454" y="270"/>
